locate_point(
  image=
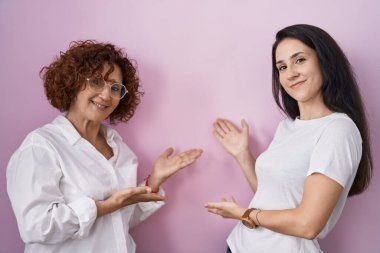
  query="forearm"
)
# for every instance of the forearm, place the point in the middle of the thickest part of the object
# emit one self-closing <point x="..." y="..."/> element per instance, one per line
<point x="294" y="222"/>
<point x="321" y="194"/>
<point x="103" y="208"/>
<point x="247" y="163"/>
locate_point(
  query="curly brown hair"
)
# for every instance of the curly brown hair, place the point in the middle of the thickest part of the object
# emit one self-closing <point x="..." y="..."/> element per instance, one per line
<point x="66" y="76"/>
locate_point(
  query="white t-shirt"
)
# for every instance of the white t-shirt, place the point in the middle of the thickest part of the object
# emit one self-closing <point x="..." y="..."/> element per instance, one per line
<point x="53" y="181"/>
<point x="330" y="145"/>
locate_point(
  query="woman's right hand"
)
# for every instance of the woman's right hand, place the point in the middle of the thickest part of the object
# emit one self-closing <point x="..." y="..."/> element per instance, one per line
<point x="125" y="197"/>
<point x="235" y="142"/>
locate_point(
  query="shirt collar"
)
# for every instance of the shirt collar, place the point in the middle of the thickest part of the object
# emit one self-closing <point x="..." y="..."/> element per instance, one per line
<point x="72" y="135"/>
<point x="67" y="129"/>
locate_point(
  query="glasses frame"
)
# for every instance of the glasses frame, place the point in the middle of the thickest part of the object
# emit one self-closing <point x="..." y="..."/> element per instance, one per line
<point x="109" y="85"/>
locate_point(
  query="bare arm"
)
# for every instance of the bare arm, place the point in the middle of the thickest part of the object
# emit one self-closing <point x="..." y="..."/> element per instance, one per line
<point x="236" y="143"/>
<point x="124" y="198"/>
<point x="307" y="220"/>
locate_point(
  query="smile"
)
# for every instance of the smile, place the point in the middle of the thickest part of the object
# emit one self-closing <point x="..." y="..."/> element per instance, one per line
<point x="296" y="85"/>
<point x="102" y="107"/>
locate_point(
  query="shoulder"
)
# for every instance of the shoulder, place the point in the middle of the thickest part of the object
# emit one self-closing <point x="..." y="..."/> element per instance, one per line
<point x="284" y="126"/>
<point x="42" y="137"/>
<point x="39" y="136"/>
<point x="341" y="126"/>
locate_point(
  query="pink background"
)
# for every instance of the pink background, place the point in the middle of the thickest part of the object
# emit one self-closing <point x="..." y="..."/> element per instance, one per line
<point x="197" y="60"/>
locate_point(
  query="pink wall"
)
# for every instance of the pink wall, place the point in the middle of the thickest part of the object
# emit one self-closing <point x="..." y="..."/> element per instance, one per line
<point x="198" y="60"/>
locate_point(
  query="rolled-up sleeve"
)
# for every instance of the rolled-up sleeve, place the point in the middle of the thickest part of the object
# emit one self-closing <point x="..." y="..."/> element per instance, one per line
<point x="43" y="216"/>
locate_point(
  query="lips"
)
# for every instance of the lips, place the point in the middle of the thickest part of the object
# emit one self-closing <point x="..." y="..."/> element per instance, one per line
<point x="297" y="84"/>
<point x="100" y="106"/>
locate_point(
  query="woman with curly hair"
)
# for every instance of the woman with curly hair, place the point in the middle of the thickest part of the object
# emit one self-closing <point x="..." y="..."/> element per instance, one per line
<point x="72" y="183"/>
<point x="318" y="157"/>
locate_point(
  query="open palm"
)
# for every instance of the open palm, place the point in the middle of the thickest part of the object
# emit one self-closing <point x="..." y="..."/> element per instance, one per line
<point x="234" y="141"/>
<point x="227" y="208"/>
<point x="166" y="165"/>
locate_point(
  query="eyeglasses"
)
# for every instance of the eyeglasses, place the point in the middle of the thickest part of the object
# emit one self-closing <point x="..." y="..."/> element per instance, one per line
<point x="117" y="90"/>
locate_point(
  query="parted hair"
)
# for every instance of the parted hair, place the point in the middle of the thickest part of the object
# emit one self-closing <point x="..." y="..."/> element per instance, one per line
<point x="67" y="74"/>
<point x="340" y="90"/>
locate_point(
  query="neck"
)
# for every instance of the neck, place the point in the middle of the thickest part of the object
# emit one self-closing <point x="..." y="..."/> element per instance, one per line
<point x="88" y="129"/>
<point x="313" y="110"/>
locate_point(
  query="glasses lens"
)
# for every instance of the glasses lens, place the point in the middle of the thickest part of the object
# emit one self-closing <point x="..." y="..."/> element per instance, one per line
<point x="118" y="90"/>
<point x="96" y="84"/>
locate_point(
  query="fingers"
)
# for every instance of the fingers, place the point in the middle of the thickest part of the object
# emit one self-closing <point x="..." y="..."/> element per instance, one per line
<point x="192" y="153"/>
<point x="151" y="197"/>
<point x="137" y="190"/>
<point x="142" y="194"/>
<point x="218" y="135"/>
<point x="214" y="211"/>
<point x="222" y="127"/>
<point x="214" y="205"/>
<point x="215" y="208"/>
<point x="167" y="152"/>
<point x="230" y="125"/>
<point x="231" y="199"/>
<point x="245" y="127"/>
<point x="188" y="157"/>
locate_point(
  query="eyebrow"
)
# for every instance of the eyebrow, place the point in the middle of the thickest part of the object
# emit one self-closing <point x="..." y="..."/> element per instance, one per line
<point x="111" y="80"/>
<point x="291" y="57"/>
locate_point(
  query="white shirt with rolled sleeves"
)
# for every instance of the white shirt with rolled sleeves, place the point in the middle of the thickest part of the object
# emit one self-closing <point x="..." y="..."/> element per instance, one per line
<point x="330" y="145"/>
<point x="53" y="181"/>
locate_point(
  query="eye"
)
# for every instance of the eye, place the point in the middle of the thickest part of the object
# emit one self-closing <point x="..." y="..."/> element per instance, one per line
<point x="96" y="82"/>
<point x="116" y="88"/>
<point x="300" y="60"/>
<point x="281" y="68"/>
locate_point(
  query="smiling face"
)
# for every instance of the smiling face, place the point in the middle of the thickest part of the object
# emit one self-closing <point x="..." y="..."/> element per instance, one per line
<point x="93" y="106"/>
<point x="299" y="71"/>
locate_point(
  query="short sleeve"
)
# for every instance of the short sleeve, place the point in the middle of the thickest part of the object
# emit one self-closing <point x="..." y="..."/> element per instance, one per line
<point x="337" y="152"/>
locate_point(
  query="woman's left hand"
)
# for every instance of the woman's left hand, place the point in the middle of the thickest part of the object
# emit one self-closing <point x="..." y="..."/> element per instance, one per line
<point x="167" y="165"/>
<point x="227" y="208"/>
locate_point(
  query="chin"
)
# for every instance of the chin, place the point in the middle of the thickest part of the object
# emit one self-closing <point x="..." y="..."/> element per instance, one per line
<point x="97" y="119"/>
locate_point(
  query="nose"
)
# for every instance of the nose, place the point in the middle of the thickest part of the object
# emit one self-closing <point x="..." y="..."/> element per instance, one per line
<point x="292" y="73"/>
<point x="106" y="92"/>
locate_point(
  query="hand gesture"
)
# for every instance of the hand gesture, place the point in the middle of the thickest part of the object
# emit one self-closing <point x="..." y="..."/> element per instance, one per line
<point x="125" y="197"/>
<point x="234" y="141"/>
<point x="167" y="165"/>
<point x="227" y="208"/>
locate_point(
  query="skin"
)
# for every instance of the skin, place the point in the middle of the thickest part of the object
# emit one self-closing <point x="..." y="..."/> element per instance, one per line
<point x="87" y="112"/>
<point x="301" y="77"/>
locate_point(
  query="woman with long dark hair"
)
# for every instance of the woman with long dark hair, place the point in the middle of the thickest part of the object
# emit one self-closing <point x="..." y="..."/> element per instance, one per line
<point x="318" y="157"/>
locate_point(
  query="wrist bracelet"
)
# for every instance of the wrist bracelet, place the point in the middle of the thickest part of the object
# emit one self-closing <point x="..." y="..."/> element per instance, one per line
<point x="147" y="184"/>
<point x="246" y="219"/>
<point x="257" y="216"/>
